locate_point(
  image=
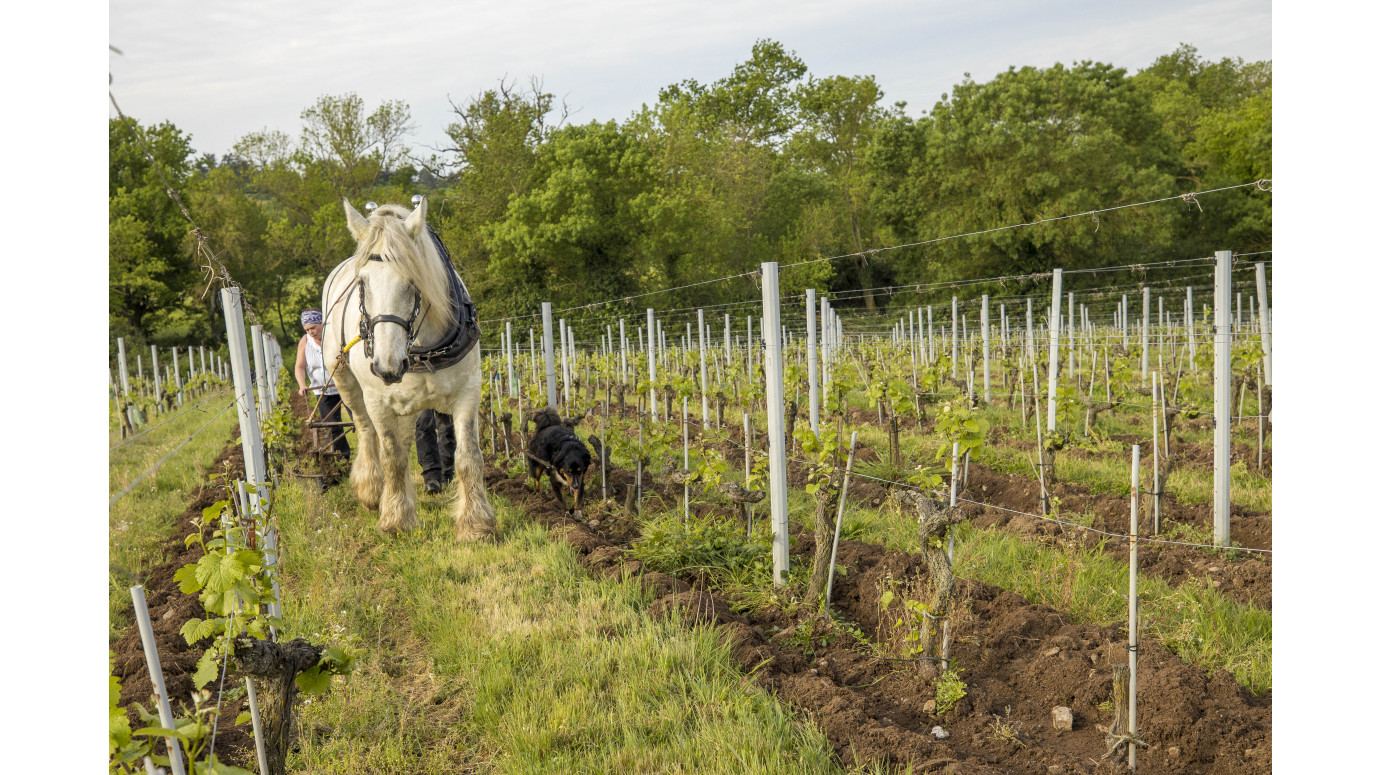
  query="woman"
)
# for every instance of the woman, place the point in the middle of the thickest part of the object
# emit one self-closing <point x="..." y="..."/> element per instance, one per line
<point x="311" y="375"/>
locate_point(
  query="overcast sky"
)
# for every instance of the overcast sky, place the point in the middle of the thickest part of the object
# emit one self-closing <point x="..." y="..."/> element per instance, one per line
<point x="220" y="70"/>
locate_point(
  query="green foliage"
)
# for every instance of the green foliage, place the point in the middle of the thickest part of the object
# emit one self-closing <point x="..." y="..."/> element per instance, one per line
<point x="193" y="734"/>
<point x="712" y="544"/>
<point x="769" y="162"/>
<point x="902" y="622"/>
<point x="235" y="587"/>
<point x="126" y="753"/>
<point x="957" y="423"/>
<point x="821" y="452"/>
<point x="1030" y="143"/>
<point x="949" y="688"/>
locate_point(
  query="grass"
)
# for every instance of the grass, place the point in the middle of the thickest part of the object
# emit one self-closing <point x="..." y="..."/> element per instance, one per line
<point x="509" y="658"/>
<point x="144" y="518"/>
<point x="1108" y="471"/>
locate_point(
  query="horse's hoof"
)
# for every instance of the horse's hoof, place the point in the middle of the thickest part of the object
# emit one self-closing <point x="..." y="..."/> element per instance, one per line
<point x="471" y="536"/>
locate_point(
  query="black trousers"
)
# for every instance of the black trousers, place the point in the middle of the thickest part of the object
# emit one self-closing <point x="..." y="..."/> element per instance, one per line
<point x="330" y="412"/>
<point x="436" y="445"/>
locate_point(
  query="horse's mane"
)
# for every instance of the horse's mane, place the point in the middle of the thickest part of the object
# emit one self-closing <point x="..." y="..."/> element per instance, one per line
<point x="415" y="259"/>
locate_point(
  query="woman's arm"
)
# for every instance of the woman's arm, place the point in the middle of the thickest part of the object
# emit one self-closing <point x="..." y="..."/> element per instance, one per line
<point x="300" y="370"/>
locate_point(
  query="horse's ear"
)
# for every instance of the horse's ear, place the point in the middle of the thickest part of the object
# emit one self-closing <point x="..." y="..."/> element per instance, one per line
<point x="416" y="220"/>
<point x="359" y="225"/>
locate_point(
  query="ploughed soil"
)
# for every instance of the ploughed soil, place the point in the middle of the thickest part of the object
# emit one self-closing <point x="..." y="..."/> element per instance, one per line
<point x="169" y="609"/>
<point x="1019" y="661"/>
<point x="1245" y="577"/>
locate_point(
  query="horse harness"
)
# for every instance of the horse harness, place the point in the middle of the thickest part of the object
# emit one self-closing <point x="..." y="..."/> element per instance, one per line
<point x="453" y="347"/>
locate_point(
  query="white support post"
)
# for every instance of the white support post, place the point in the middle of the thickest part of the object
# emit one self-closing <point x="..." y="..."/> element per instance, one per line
<point x="565" y="367"/>
<point x="1030" y="336"/>
<point x="1133" y="625"/>
<point x="548" y="353"/>
<point x="532" y="352"/>
<point x="651" y="360"/>
<point x="953" y="352"/>
<point x="165" y="717"/>
<point x="1053" y="372"/>
<point x="177" y="375"/>
<point x="157" y="380"/>
<point x="704" y="376"/>
<point x="728" y="338"/>
<point x="1262" y="294"/>
<point x="986" y="351"/>
<point x="256" y="337"/>
<point x="929" y="337"/>
<point x="261" y="366"/>
<point x="1073" y="341"/>
<point x="811" y="359"/>
<point x="1221" y="458"/>
<point x="751" y="345"/>
<point x="512" y="371"/>
<point x="776" y="421"/>
<point x="623" y="348"/>
<point x="1192" y="334"/>
<point x="202" y="348"/>
<point x="251" y="440"/>
<point x="1144" y="335"/>
<point x="124" y="366"/>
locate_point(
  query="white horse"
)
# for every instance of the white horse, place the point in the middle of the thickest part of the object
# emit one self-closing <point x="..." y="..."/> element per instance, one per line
<point x="398" y="283"/>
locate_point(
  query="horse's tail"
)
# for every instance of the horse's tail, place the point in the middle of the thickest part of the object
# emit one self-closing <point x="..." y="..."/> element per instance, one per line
<point x="545" y="418"/>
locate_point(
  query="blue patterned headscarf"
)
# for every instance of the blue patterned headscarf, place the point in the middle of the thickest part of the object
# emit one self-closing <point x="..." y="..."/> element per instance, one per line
<point x="311" y="317"/>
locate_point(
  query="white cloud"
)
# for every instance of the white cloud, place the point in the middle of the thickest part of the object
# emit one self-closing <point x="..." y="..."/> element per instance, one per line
<point x="219" y="73"/>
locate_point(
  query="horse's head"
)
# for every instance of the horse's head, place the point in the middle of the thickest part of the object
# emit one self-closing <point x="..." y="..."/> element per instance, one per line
<point x="400" y="275"/>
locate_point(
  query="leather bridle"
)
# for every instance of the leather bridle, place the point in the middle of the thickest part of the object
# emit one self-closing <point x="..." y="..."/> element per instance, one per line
<point x="367" y="322"/>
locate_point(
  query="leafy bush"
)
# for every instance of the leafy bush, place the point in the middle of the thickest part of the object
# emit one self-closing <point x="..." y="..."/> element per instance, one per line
<point x="948" y="690"/>
<point x="715" y="545"/>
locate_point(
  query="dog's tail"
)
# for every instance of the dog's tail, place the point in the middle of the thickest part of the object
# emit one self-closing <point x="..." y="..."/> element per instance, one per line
<point x="545" y="418"/>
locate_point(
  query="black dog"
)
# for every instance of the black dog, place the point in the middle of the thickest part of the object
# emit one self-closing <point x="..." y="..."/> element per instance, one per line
<point x="556" y="451"/>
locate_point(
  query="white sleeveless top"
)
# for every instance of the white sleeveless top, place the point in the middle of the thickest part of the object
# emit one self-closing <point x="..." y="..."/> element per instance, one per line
<point x="316" y="365"/>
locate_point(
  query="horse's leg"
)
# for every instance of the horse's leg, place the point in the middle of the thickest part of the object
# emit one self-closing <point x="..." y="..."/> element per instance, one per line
<point x="366" y="478"/>
<point x="398" y="507"/>
<point x="474" y="516"/>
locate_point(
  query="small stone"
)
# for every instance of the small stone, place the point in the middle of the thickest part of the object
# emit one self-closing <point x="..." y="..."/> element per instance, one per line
<point x="594" y="523"/>
<point x="939" y="733"/>
<point x="1094" y="656"/>
<point x="1214" y="569"/>
<point x="1173" y="751"/>
<point x="928" y="707"/>
<point x="1056" y="769"/>
<point x="1049" y="652"/>
<point x="1251" y="752"/>
<point x="1063" y="719"/>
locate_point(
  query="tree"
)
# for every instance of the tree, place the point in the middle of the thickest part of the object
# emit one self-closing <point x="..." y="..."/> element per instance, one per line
<point x="571" y="238"/>
<point x="756" y="100"/>
<point x="1030" y="144"/>
<point x="1219" y="114"/>
<point x="350" y="148"/>
<point x="839" y="115"/>
<point x="147" y="258"/>
<point x="495" y="140"/>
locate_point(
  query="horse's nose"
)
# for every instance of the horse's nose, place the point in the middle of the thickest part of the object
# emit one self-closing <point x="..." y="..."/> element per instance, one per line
<point x="388" y="377"/>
